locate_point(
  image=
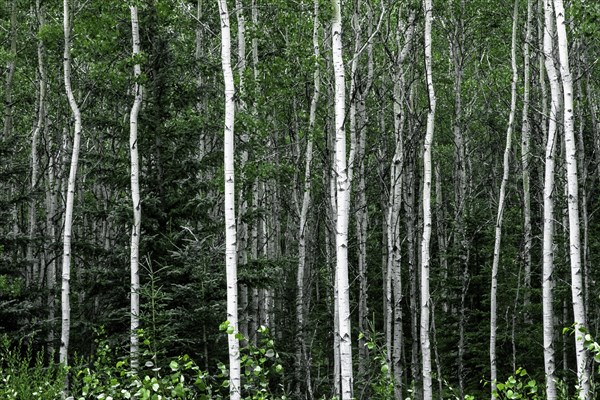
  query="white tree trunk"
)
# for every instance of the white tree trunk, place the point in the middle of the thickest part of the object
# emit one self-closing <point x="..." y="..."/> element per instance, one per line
<point x="525" y="157"/>
<point x="230" y="222"/>
<point x="404" y="37"/>
<point x="301" y="352"/>
<point x="135" y="193"/>
<point x="548" y="244"/>
<point x="573" y="203"/>
<point x="68" y="221"/>
<point x="38" y="128"/>
<point x="425" y="257"/>
<point x="501" y="198"/>
<point x="343" y="203"/>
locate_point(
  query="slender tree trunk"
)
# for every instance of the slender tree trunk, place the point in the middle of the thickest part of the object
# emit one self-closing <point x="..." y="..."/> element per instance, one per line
<point x="50" y="192"/>
<point x="330" y="249"/>
<point x="425" y="256"/>
<point x="525" y="157"/>
<point x="573" y="203"/>
<point x="68" y="219"/>
<point x="404" y="35"/>
<point x="457" y="54"/>
<point x="135" y="193"/>
<point x="358" y="92"/>
<point x="548" y="232"/>
<point x="230" y="221"/>
<point x="412" y="223"/>
<point x="302" y="362"/>
<point x="501" y="200"/>
<point x="38" y="128"/>
<point x="583" y="172"/>
<point x="343" y="203"/>
<point x="253" y="293"/>
<point x="242" y="225"/>
<point x="10" y="73"/>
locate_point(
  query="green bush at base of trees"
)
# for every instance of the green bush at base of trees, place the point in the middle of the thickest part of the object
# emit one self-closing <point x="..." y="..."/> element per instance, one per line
<point x="108" y="375"/>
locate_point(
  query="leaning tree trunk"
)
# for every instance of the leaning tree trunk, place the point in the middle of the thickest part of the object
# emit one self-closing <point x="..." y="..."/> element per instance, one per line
<point x="548" y="233"/>
<point x="425" y="256"/>
<point x="573" y="203"/>
<point x="68" y="221"/>
<point x="230" y="222"/>
<point x="135" y="193"/>
<point x="302" y="361"/>
<point x="501" y="199"/>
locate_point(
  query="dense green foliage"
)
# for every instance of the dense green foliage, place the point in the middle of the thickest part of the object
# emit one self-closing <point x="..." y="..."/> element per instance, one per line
<point x="182" y="239"/>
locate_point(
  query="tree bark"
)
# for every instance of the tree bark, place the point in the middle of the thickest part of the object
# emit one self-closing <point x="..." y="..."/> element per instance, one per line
<point x="135" y="192"/>
<point x="343" y="202"/>
<point x="230" y="221"/>
<point x="548" y="230"/>
<point x="501" y="200"/>
<point x="302" y="361"/>
<point x="242" y="225"/>
<point x="37" y="130"/>
<point x="425" y="256"/>
<point x="525" y="159"/>
<point x="573" y="204"/>
<point x="68" y="218"/>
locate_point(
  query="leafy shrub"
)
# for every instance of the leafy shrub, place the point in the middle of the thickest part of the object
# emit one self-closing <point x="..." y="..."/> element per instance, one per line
<point x="24" y="376"/>
<point x="519" y="386"/>
<point x="107" y="376"/>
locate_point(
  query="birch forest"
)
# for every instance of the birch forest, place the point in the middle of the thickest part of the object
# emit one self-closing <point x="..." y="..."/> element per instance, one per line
<point x="300" y="199"/>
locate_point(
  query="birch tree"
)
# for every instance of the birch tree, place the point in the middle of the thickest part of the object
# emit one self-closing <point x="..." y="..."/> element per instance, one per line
<point x="135" y="190"/>
<point x="230" y="221"/>
<point x="458" y="55"/>
<point x="525" y="160"/>
<point x="425" y="256"/>
<point x="404" y="41"/>
<point x="343" y="204"/>
<point x="572" y="203"/>
<point x="501" y="201"/>
<point x="548" y="244"/>
<point x="301" y="352"/>
<point x="242" y="226"/>
<point x="68" y="218"/>
<point x="35" y="138"/>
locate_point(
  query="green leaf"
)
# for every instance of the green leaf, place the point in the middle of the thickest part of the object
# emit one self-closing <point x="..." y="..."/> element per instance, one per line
<point x="224" y="325"/>
<point x="174" y="366"/>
